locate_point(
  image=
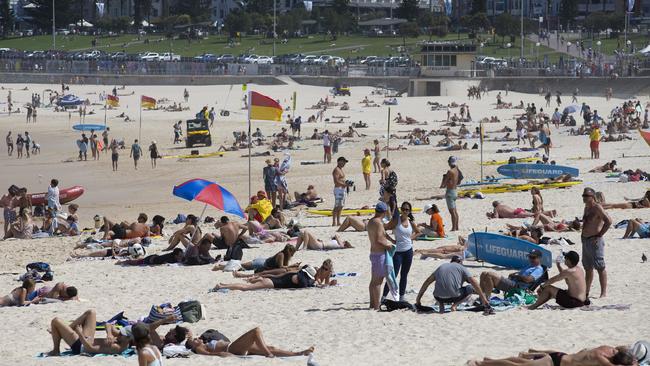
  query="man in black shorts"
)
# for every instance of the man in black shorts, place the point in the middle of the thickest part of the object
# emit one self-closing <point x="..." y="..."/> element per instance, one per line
<point x="576" y="293"/>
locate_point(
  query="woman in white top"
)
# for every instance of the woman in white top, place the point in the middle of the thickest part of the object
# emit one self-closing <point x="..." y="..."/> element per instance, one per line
<point x="250" y="343"/>
<point x="148" y="355"/>
<point x="405" y="231"/>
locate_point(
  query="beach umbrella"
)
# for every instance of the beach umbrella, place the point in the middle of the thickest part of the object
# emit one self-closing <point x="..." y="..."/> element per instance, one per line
<point x="571" y="109"/>
<point x="209" y="193"/>
<point x="646" y="136"/>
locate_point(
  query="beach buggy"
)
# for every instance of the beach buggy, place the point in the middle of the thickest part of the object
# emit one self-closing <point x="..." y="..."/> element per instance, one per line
<point x="198" y="133"/>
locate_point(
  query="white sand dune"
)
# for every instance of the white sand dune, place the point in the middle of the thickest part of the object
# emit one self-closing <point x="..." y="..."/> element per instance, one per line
<point x="333" y="319"/>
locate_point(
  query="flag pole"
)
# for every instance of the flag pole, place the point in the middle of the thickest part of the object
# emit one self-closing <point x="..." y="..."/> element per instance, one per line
<point x="105" y="107"/>
<point x="140" y="128"/>
<point x="388" y="136"/>
<point x="249" y="143"/>
<point x="481" y="138"/>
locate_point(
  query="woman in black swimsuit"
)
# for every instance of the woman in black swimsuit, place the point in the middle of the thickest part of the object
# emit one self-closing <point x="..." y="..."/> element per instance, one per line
<point x="307" y="276"/>
<point x="279" y="260"/>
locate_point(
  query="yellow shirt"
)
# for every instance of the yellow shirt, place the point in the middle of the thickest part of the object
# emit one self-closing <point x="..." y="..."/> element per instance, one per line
<point x="595" y="135"/>
<point x="263" y="207"/>
<point x="366" y="164"/>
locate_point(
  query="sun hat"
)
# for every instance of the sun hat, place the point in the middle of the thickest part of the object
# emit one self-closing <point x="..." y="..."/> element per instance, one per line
<point x="427" y="207"/>
<point x="309" y="271"/>
<point x="640" y="351"/>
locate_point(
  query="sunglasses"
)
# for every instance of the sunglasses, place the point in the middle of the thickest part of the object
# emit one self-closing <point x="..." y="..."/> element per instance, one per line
<point x="405" y="209"/>
<point x="587" y="195"/>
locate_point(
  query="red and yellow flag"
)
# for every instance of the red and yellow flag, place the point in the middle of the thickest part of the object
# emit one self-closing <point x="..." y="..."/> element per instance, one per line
<point x="263" y="108"/>
<point x="147" y="102"/>
<point x="112" y="100"/>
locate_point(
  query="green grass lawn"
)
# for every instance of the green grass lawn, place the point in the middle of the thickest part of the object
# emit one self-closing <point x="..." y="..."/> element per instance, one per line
<point x="344" y="46"/>
<point x="608" y="45"/>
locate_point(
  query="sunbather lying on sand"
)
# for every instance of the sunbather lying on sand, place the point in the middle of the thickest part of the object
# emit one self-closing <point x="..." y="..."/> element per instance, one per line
<point x="312" y="243"/>
<point x="503" y="211"/>
<point x="642" y="203"/>
<point x="637" y="226"/>
<point x="175" y="256"/>
<point x="125" y="230"/>
<point x="250" y="343"/>
<point x="18" y="296"/>
<point x="307" y="276"/>
<point x="446" y="251"/>
<point x="258" y="265"/>
<point x="600" y="356"/>
<point x="354" y="222"/>
<point x="548" y="224"/>
<point x="258" y="231"/>
<point x="608" y="167"/>
<point x="60" y="291"/>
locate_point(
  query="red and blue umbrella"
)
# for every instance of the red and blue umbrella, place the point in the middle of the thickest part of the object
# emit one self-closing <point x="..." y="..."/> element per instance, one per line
<point x="209" y="193"/>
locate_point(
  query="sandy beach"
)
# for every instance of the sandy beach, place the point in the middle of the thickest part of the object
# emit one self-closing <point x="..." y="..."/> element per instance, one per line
<point x="336" y="319"/>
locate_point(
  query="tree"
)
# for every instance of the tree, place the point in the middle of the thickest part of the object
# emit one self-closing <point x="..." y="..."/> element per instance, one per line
<point x="341" y="6"/>
<point x="480" y="21"/>
<point x="41" y="13"/>
<point x="291" y="22"/>
<point x="409" y="29"/>
<point x="8" y="17"/>
<point x="596" y="22"/>
<point x="616" y="21"/>
<point x="261" y="22"/>
<point x="141" y="8"/>
<point x="434" y="24"/>
<point x="194" y="8"/>
<point x="568" y="11"/>
<point x="479" y="6"/>
<point x="237" y="21"/>
<point x="506" y="25"/>
<point x="408" y="9"/>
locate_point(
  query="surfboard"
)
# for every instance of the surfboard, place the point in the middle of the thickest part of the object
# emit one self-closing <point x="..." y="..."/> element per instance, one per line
<point x="351" y="212"/>
<point x="504" y="188"/>
<point x="505" y="251"/>
<point x="519" y="160"/>
<point x="88" y="127"/>
<point x="189" y="156"/>
<point x="536" y="171"/>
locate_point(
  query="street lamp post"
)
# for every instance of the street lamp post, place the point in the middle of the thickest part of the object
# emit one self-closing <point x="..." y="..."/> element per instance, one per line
<point x="537" y="48"/>
<point x="53" y="26"/>
<point x="508" y="47"/>
<point x="598" y="44"/>
<point x="568" y="44"/>
<point x="274" y="28"/>
<point x="521" y="11"/>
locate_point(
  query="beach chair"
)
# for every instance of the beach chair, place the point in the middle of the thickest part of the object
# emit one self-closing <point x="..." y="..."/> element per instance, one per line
<point x="543" y="278"/>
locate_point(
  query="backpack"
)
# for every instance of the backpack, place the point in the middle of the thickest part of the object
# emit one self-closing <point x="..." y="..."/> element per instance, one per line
<point x="180" y="218"/>
<point x="191" y="311"/>
<point x="39" y="267"/>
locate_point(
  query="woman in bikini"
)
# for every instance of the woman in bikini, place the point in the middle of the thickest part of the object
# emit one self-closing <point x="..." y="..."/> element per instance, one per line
<point x="251" y="343"/>
<point x="377" y="153"/>
<point x="353" y="222"/>
<point x="307" y="276"/>
<point x="18" y="296"/>
<point x="258" y="231"/>
<point x="446" y="251"/>
<point x="148" y="355"/>
<point x="311" y="243"/>
<point x="21" y="228"/>
<point x="538" y="203"/>
<point x="641" y="203"/>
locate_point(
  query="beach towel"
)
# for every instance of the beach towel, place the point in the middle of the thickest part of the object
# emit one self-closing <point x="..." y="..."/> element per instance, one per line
<point x="619" y="307"/>
<point x="126" y="353"/>
<point x="176" y="351"/>
<point x="391" y="280"/>
<point x="345" y="274"/>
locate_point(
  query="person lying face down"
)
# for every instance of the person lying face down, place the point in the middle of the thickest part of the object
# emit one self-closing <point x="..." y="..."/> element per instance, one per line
<point x="306" y="276"/>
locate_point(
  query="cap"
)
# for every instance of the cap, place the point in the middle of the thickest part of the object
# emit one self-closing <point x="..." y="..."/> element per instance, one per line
<point x="589" y="192"/>
<point x="309" y="271"/>
<point x="153" y="142"/>
<point x="452" y="160"/>
<point x="535" y="253"/>
<point x="342" y="159"/>
<point x="381" y="207"/>
<point x="427" y="207"/>
<point x="640" y="350"/>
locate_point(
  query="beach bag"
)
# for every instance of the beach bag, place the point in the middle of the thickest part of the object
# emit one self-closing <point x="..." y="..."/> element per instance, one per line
<point x="162" y="311"/>
<point x="180" y="219"/>
<point x="39" y="266"/>
<point x="236" y="252"/>
<point x="191" y="311"/>
<point x="213" y="335"/>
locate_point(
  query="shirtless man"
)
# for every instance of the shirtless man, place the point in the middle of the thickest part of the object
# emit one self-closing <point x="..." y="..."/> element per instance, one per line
<point x="596" y="222"/>
<point x="189" y="234"/>
<point x="80" y="336"/>
<point x="124" y="230"/>
<point x="599" y="356"/>
<point x="379" y="244"/>
<point x="450" y="181"/>
<point x="231" y="233"/>
<point x="339" y="190"/>
<point x="575" y="295"/>
<point x="503" y="211"/>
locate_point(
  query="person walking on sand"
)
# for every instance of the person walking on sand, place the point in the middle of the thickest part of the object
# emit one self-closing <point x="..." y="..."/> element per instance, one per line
<point x="339" y="190"/>
<point x="186" y="95"/>
<point x="105" y="138"/>
<point x="115" y="154"/>
<point x="379" y="244"/>
<point x="211" y="115"/>
<point x="136" y="152"/>
<point x="594" y="142"/>
<point x="327" y="147"/>
<point x="153" y="153"/>
<point x="376" y="150"/>
<point x="596" y="222"/>
<point x="366" y="167"/>
<point x="10" y="144"/>
<point x="450" y="181"/>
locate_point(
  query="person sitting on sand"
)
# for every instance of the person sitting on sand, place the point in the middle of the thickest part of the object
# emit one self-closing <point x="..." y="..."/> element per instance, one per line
<point x="637" y="226"/>
<point x="448" y="289"/>
<point x="279" y="260"/>
<point x="71" y="228"/>
<point x="351" y="132"/>
<point x="230" y="233"/>
<point x="276" y="220"/>
<point x="354" y="222"/>
<point x="258" y="231"/>
<point x="522" y="279"/>
<point x="608" y="167"/>
<point x="60" y="292"/>
<point x="641" y="203"/>
<point x="250" y="343"/>
<point x="175" y="256"/>
<point x="503" y="211"/>
<point x="599" y="356"/>
<point x="575" y="295"/>
<point x="307" y="276"/>
<point x="148" y="353"/>
<point x="538" y="203"/>
<point x="435" y="228"/>
<point x="188" y="234"/>
<point x="18" y="296"/>
<point x="23" y="227"/>
<point x="124" y="230"/>
<point x="80" y="336"/>
<point x="312" y="243"/>
<point x="260" y="207"/>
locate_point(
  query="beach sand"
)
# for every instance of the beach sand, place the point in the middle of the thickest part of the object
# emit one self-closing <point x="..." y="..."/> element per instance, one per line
<point x="335" y="320"/>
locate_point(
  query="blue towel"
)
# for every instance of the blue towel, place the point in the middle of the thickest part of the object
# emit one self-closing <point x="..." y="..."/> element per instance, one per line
<point x="126" y="353"/>
<point x="391" y="280"/>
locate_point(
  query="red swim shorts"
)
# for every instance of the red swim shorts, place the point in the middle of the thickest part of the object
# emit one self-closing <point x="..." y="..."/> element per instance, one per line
<point x="594" y="144"/>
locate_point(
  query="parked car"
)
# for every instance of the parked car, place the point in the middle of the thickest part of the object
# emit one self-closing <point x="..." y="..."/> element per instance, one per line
<point x="308" y="60"/>
<point x="226" y="58"/>
<point x="295" y="59"/>
<point x="118" y="56"/>
<point x="206" y="57"/>
<point x="250" y="59"/>
<point x="323" y="60"/>
<point x="367" y="60"/>
<point x="168" y="56"/>
<point x="36" y="54"/>
<point x="150" y="56"/>
<point x="338" y="61"/>
<point x="263" y="60"/>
